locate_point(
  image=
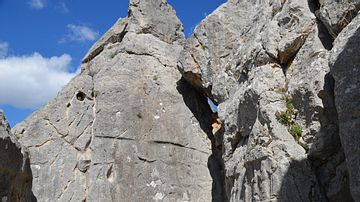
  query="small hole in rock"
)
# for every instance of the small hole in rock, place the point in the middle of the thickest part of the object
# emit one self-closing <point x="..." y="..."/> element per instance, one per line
<point x="80" y="96"/>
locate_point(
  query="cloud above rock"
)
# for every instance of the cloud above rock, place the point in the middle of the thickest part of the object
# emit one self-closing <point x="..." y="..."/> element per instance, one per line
<point x="30" y="81"/>
<point x="79" y="33"/>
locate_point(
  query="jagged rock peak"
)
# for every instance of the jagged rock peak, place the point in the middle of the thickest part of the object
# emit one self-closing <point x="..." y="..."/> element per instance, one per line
<point x="154" y="17"/>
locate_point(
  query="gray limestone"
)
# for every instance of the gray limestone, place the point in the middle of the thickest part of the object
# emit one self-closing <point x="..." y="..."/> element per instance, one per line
<point x="124" y="128"/>
<point x="15" y="173"/>
<point x="344" y="64"/>
<point x="135" y="124"/>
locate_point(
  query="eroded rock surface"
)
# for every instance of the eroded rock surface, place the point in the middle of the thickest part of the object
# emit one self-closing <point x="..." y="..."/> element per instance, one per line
<point x="344" y="63"/>
<point x="276" y="98"/>
<point x="15" y="173"/>
<point x="127" y="127"/>
<point x="130" y="127"/>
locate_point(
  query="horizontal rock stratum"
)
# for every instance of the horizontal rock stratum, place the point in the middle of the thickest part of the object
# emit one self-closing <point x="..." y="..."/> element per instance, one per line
<point x="136" y="124"/>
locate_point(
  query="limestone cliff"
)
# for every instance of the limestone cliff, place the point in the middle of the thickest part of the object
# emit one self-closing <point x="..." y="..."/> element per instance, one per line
<point x="127" y="127"/>
<point x="135" y="124"/>
<point x="15" y="173"/>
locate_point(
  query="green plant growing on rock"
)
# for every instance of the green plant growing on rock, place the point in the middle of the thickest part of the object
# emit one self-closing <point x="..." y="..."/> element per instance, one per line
<point x="228" y="68"/>
<point x="114" y="54"/>
<point x="295" y="131"/>
<point x="290" y="107"/>
<point x="155" y="78"/>
<point x="284" y="117"/>
<point x="203" y="47"/>
<point x="139" y="115"/>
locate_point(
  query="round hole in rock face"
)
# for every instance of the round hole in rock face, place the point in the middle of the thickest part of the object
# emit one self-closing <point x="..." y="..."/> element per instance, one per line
<point x="80" y="96"/>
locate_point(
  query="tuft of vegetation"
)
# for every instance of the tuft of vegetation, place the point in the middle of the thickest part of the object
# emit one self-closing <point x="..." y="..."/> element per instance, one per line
<point x="203" y="47"/>
<point x="282" y="90"/>
<point x="155" y="78"/>
<point x="114" y="54"/>
<point x="96" y="94"/>
<point x="323" y="4"/>
<point x="290" y="107"/>
<point x="139" y="115"/>
<point x="284" y="117"/>
<point x="228" y="68"/>
<point x="295" y="131"/>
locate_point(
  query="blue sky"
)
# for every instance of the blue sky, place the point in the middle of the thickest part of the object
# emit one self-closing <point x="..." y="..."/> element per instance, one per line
<point x="42" y="43"/>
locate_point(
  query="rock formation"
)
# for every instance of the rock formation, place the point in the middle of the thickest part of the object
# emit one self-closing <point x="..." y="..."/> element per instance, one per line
<point x="135" y="124"/>
<point x="126" y="127"/>
<point x="15" y="173"/>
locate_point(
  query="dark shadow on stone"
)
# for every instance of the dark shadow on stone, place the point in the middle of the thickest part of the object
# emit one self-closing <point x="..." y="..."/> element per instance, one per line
<point x="345" y="71"/>
<point x="199" y="106"/>
<point x="323" y="34"/>
<point x="15" y="174"/>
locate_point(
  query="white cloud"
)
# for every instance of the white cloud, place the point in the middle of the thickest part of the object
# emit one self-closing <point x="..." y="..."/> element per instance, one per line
<point x="32" y="80"/>
<point x="62" y="7"/>
<point x="37" y="4"/>
<point x="80" y="33"/>
<point x="3" y="49"/>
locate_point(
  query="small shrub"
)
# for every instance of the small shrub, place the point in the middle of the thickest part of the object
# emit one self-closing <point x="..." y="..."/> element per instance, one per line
<point x="228" y="68"/>
<point x="96" y="94"/>
<point x="203" y="47"/>
<point x="284" y="117"/>
<point x="282" y="90"/>
<point x="323" y="4"/>
<point x="114" y="54"/>
<point x="295" y="131"/>
<point x="155" y="78"/>
<point x="290" y="107"/>
<point x="139" y="115"/>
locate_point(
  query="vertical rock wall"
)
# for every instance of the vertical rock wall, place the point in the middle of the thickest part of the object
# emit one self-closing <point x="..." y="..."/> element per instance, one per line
<point x="127" y="127"/>
<point x="130" y="128"/>
<point x="15" y="173"/>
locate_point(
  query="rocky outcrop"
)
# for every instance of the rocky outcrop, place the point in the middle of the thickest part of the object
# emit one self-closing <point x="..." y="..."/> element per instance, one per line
<point x="15" y="173"/>
<point x="136" y="125"/>
<point x="336" y="15"/>
<point x="276" y="100"/>
<point x="127" y="128"/>
<point x="344" y="63"/>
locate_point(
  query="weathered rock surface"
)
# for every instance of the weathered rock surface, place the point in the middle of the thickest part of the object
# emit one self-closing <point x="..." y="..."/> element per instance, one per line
<point x="15" y="173"/>
<point x="130" y="127"/>
<point x="344" y="64"/>
<point x="336" y="15"/>
<point x="127" y="127"/>
<point x="280" y="57"/>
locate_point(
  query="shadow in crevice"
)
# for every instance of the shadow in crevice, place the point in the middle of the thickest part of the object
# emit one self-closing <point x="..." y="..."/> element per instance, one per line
<point x="199" y="106"/>
<point x="323" y="34"/>
<point x="15" y="173"/>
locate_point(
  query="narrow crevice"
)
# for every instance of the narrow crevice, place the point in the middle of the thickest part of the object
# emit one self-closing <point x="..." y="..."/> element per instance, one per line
<point x="200" y="108"/>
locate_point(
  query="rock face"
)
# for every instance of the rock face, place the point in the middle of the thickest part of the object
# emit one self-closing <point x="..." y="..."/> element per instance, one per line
<point x="344" y="63"/>
<point x="136" y="125"/>
<point x="127" y="127"/>
<point x="15" y="173"/>
<point x="276" y="99"/>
